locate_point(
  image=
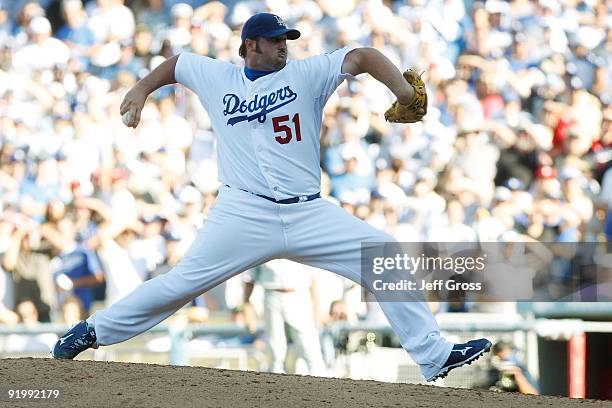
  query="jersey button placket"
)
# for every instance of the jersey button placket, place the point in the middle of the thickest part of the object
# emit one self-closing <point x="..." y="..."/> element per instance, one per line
<point x="258" y="139"/>
<point x="257" y="134"/>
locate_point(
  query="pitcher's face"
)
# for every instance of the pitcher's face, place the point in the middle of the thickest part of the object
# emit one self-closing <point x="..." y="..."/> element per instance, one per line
<point x="268" y="54"/>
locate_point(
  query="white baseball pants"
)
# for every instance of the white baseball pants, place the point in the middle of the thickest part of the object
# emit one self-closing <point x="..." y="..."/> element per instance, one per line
<point x="243" y="231"/>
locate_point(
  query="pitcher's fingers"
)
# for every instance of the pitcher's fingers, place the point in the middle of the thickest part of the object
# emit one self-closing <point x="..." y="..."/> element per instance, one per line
<point x="136" y="118"/>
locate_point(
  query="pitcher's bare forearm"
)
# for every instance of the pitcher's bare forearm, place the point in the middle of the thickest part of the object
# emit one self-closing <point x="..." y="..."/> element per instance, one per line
<point x="134" y="100"/>
<point x="375" y="63"/>
<point x="162" y="75"/>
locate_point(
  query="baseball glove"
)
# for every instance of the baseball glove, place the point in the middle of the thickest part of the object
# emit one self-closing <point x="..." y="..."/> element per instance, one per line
<point x="416" y="109"/>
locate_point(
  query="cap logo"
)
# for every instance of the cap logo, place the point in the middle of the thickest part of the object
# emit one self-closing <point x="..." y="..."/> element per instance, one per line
<point x="280" y="22"/>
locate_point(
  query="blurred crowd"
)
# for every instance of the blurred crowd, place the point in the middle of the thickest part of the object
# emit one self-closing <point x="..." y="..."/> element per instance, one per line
<point x="516" y="144"/>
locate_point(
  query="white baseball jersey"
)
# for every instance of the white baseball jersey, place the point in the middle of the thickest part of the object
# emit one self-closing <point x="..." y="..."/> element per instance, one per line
<point x="267" y="130"/>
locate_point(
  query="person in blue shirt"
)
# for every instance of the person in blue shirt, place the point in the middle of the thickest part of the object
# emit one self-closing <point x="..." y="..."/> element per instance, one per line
<point x="79" y="270"/>
<point x="127" y="63"/>
<point x="38" y="188"/>
<point x="351" y="182"/>
<point x="75" y="33"/>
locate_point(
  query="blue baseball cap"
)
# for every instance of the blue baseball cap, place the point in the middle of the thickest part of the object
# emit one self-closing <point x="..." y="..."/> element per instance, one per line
<point x="269" y="26"/>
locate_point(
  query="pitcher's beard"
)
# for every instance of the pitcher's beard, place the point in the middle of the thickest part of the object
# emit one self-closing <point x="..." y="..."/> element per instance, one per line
<point x="280" y="62"/>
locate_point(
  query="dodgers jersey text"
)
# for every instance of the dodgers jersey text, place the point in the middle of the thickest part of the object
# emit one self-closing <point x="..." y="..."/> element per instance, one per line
<point x="268" y="129"/>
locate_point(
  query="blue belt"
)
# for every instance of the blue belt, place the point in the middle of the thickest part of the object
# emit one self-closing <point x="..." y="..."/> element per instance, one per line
<point x="292" y="200"/>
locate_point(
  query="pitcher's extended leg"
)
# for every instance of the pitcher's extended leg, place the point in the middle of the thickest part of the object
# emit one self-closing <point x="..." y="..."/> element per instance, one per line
<point x="242" y="231"/>
<point x="325" y="236"/>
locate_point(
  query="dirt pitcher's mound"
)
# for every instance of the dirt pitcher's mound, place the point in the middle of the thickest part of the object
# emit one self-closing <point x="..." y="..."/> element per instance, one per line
<point x="102" y="384"/>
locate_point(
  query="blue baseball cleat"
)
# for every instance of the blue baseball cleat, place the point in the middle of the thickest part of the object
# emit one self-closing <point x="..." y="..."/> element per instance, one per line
<point x="461" y="354"/>
<point x="79" y="338"/>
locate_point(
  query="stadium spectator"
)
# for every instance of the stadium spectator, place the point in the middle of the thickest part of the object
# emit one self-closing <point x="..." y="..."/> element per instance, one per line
<point x="172" y="251"/>
<point x="155" y="17"/>
<point x="23" y="12"/>
<point x="77" y="270"/>
<point x="339" y="312"/>
<point x="89" y="214"/>
<point x="143" y="45"/>
<point x="111" y="20"/>
<point x="179" y="33"/>
<point x="454" y="229"/>
<point x="148" y="250"/>
<point x="42" y="50"/>
<point x="75" y="33"/>
<point x="121" y="272"/>
<point x="72" y="310"/>
<point x="29" y="262"/>
<point x="290" y="312"/>
<point x="27" y="313"/>
<point x="126" y="63"/>
<point x="508" y="373"/>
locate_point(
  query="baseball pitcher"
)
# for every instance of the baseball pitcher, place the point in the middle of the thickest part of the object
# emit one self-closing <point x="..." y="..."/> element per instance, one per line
<point x="267" y="118"/>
